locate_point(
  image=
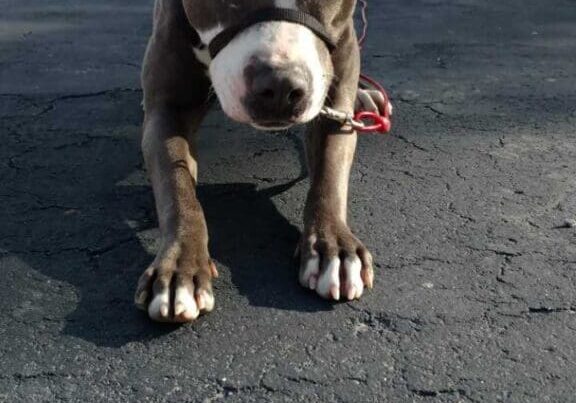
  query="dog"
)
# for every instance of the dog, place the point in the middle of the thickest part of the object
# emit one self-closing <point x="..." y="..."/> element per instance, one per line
<point x="271" y="74"/>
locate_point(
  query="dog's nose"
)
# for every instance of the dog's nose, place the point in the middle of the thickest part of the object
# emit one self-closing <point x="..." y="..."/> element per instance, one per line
<point x="276" y="93"/>
<point x="278" y="88"/>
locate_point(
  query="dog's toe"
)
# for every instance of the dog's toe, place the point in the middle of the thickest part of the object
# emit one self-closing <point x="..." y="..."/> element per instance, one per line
<point x="205" y="300"/>
<point x="159" y="308"/>
<point x="185" y="307"/>
<point x="329" y="281"/>
<point x="309" y="272"/>
<point x="353" y="287"/>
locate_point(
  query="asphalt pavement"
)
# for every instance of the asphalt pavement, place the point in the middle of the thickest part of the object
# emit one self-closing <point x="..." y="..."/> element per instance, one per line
<point x="463" y="207"/>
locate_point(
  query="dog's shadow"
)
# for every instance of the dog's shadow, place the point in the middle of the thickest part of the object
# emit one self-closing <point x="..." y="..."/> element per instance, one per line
<point x="79" y="232"/>
<point x="248" y="235"/>
<point x="251" y="237"/>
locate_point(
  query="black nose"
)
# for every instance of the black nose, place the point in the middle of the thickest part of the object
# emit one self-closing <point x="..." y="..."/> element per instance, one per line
<point x="276" y="94"/>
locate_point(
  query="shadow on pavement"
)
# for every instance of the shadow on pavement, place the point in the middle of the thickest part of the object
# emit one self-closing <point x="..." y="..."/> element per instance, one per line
<point x="79" y="210"/>
<point x="257" y="243"/>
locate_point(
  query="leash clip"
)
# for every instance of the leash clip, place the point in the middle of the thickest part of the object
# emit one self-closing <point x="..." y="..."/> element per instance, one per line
<point x="345" y="119"/>
<point x="379" y="123"/>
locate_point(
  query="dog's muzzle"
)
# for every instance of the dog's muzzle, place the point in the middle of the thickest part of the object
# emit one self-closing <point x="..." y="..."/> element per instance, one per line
<point x="268" y="15"/>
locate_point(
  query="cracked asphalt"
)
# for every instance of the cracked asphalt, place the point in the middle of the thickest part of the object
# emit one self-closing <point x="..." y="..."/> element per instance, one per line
<point x="463" y="207"/>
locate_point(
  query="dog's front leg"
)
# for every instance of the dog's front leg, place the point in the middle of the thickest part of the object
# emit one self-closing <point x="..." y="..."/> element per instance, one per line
<point x="177" y="286"/>
<point x="333" y="261"/>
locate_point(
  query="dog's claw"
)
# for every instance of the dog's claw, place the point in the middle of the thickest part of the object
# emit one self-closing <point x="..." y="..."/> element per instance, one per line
<point x="313" y="282"/>
<point x="351" y="293"/>
<point x="141" y="299"/>
<point x="213" y="269"/>
<point x="200" y="302"/>
<point x="205" y="301"/>
<point x="335" y="293"/>
<point x="178" y="309"/>
<point x="368" y="279"/>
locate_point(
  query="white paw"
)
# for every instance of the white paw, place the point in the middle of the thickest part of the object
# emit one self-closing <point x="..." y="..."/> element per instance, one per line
<point x="171" y="295"/>
<point x="334" y="263"/>
<point x="335" y="279"/>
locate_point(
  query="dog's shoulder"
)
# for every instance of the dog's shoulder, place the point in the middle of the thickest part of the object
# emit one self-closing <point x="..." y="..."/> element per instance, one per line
<point x="172" y="72"/>
<point x="170" y="21"/>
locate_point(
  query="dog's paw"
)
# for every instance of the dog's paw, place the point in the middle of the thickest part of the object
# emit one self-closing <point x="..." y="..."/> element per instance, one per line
<point x="372" y="101"/>
<point x="334" y="263"/>
<point x="176" y="287"/>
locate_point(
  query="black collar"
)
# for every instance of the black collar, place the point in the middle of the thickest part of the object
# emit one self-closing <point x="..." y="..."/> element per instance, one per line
<point x="270" y="14"/>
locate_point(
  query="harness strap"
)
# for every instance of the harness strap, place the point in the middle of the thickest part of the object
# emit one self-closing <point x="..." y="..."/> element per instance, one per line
<point x="266" y="15"/>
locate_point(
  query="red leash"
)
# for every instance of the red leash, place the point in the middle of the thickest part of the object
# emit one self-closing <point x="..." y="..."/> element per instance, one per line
<point x="365" y="121"/>
<point x="380" y="123"/>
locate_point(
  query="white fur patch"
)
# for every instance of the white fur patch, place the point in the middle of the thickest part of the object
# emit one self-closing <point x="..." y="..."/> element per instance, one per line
<point x="207" y="35"/>
<point x="185" y="305"/>
<point x="203" y="56"/>
<point x="329" y="282"/>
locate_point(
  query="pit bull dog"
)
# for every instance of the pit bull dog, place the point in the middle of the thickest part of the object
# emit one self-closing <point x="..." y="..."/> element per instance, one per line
<point x="270" y="74"/>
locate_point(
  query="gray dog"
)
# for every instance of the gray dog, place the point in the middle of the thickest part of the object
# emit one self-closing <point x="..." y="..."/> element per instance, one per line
<point x="271" y="74"/>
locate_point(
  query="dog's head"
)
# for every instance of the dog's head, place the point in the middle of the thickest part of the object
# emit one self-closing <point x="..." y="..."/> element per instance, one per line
<point x="274" y="74"/>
